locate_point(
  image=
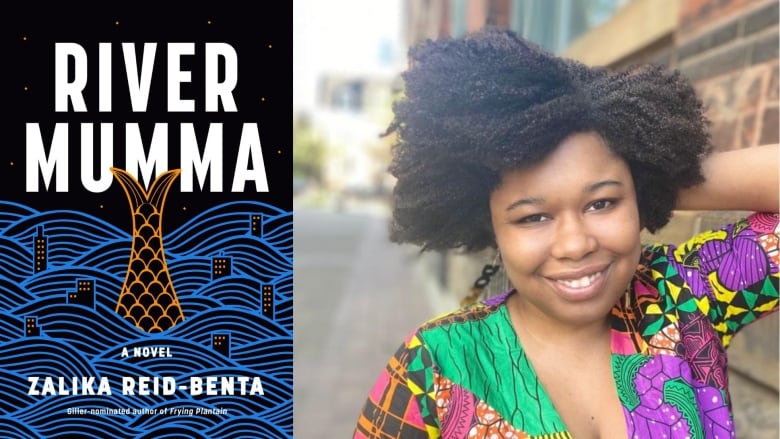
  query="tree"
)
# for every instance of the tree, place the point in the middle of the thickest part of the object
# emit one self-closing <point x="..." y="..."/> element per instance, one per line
<point x="308" y="150"/>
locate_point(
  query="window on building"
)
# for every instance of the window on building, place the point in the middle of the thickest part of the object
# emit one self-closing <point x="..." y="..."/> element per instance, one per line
<point x="555" y="24"/>
<point x="348" y="96"/>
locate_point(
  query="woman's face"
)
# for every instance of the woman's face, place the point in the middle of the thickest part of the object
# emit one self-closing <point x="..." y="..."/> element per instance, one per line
<point x="568" y="231"/>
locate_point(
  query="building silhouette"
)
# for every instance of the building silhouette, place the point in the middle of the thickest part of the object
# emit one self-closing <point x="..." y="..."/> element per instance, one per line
<point x="267" y="299"/>
<point x="41" y="251"/>
<point x="31" y="328"/>
<point x="84" y="294"/>
<point x="257" y="225"/>
<point x="221" y="266"/>
<point x="220" y="342"/>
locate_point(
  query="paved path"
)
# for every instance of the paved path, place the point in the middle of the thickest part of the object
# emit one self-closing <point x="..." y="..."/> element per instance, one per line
<point x="354" y="302"/>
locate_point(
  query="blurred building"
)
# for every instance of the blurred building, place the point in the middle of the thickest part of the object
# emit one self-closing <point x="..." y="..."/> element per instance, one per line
<point x="553" y="24"/>
<point x="353" y="110"/>
<point x="347" y="60"/>
<point x="727" y="48"/>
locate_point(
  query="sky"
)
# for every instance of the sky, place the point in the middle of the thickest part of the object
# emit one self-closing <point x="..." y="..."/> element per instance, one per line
<point x="341" y="36"/>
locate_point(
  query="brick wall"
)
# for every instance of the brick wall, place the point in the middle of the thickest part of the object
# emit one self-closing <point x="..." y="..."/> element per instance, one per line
<point x="729" y="49"/>
<point x="696" y="14"/>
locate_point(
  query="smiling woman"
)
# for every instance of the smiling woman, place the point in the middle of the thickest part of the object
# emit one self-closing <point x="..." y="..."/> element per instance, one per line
<point x="559" y="166"/>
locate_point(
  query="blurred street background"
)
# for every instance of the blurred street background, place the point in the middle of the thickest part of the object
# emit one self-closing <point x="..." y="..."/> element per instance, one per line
<point x="356" y="294"/>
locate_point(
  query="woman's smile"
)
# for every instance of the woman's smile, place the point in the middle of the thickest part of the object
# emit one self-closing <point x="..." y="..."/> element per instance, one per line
<point x="581" y="284"/>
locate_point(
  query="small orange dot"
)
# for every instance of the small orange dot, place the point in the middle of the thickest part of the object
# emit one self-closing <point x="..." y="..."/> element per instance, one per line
<point x="116" y="23"/>
<point x="101" y="206"/>
<point x="12" y="163"/>
<point x="24" y="38"/>
<point x="262" y="99"/>
<point x="209" y="22"/>
<point x="184" y="208"/>
<point x="26" y="88"/>
<point x="270" y="46"/>
<point x="278" y="151"/>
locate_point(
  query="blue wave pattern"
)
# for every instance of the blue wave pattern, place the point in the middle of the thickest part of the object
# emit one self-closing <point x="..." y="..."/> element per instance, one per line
<point x="86" y="339"/>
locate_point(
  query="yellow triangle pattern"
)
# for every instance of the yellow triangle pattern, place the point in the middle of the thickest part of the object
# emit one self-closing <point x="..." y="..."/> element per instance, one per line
<point x="414" y="387"/>
<point x="732" y="311"/>
<point x="674" y="290"/>
<point x="703" y="304"/>
<point x="768" y="307"/>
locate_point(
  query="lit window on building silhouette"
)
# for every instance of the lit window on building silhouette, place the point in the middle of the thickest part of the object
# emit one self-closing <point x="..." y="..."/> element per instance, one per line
<point x="268" y="301"/>
<point x="220" y="342"/>
<point x="221" y="266"/>
<point x="31" y="328"/>
<point x="41" y="250"/>
<point x="257" y="225"/>
<point x="84" y="294"/>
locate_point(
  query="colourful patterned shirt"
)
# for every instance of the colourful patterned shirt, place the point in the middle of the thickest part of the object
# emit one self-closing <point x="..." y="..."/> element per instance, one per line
<point x="465" y="375"/>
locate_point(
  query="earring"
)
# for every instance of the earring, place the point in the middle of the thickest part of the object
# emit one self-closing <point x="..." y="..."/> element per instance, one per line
<point x="482" y="281"/>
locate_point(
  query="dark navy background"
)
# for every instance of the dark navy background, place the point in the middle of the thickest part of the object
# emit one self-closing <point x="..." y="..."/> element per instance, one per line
<point x="261" y="38"/>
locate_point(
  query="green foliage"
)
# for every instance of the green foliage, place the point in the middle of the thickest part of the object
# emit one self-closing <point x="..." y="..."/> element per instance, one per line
<point x="308" y="150"/>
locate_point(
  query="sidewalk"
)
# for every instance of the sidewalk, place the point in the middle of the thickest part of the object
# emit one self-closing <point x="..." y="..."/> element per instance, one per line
<point x="356" y="300"/>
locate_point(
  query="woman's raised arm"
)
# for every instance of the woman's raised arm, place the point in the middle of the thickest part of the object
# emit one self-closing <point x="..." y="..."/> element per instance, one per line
<point x="742" y="179"/>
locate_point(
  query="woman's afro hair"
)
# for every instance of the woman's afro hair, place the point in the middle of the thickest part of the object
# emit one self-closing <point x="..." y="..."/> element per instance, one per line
<point x="477" y="106"/>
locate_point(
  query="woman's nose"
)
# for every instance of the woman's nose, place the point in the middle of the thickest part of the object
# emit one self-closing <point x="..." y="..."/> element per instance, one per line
<point x="573" y="238"/>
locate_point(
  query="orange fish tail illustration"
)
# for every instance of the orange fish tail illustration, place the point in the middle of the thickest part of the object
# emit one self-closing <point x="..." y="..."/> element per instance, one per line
<point x="148" y="298"/>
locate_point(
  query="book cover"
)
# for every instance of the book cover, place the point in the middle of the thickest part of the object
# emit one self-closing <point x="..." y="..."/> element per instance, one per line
<point x="146" y="224"/>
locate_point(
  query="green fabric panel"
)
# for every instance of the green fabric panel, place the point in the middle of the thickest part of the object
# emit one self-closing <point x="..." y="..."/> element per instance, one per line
<point x="624" y="369"/>
<point x="484" y="356"/>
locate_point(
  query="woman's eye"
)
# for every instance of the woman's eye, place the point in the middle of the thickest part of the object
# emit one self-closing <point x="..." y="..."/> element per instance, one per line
<point x="536" y="218"/>
<point x="601" y="204"/>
